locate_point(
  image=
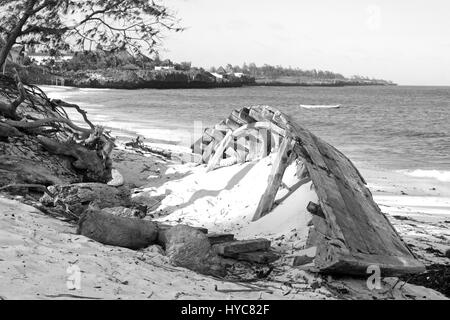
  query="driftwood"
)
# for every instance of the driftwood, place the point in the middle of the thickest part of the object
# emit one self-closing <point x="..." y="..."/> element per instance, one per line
<point x="85" y="159"/>
<point x="117" y="231"/>
<point x="7" y="131"/>
<point x="138" y="144"/>
<point x="24" y="185"/>
<point x="28" y="116"/>
<point x="78" y="197"/>
<point x="9" y="109"/>
<point x="140" y="147"/>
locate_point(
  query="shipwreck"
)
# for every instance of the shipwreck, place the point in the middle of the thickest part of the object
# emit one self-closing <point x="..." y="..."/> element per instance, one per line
<point x="348" y="231"/>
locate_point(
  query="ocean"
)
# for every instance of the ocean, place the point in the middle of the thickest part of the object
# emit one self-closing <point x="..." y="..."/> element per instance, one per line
<point x="382" y="128"/>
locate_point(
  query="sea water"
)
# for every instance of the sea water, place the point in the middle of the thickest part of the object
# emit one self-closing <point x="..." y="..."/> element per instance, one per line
<point x="382" y="128"/>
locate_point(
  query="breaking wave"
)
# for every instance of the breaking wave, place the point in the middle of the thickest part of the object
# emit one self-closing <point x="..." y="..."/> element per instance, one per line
<point x="443" y="176"/>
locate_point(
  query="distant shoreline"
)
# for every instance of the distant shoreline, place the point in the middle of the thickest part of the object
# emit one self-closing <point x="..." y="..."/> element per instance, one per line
<point x="143" y="79"/>
<point x="325" y="84"/>
<point x="162" y="85"/>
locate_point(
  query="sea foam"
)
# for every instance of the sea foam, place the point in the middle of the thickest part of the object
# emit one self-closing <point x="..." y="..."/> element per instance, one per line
<point x="443" y="176"/>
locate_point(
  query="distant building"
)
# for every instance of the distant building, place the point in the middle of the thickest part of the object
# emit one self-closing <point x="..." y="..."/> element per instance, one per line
<point x="239" y="74"/>
<point x="158" y="68"/>
<point x="41" y="57"/>
<point x="221" y="70"/>
<point x="217" y="75"/>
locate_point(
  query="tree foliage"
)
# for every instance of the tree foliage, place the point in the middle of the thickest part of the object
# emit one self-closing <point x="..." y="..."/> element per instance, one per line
<point x="135" y="25"/>
<point x="274" y="72"/>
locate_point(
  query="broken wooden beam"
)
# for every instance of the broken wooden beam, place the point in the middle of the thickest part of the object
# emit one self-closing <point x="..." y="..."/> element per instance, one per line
<point x="262" y="257"/>
<point x="303" y="257"/>
<point x="216" y="238"/>
<point x="242" y="246"/>
<point x="218" y="154"/>
<point x="315" y="209"/>
<point x="276" y="176"/>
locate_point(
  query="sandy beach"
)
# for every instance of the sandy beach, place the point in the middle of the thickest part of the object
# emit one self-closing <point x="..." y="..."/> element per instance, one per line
<point x="36" y="249"/>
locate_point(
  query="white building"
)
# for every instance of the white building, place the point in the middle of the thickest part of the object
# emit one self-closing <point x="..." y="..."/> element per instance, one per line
<point x="217" y="75"/>
<point x="158" y="68"/>
<point x="40" y="58"/>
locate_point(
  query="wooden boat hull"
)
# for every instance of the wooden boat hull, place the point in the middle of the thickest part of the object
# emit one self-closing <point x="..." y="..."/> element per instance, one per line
<point x="351" y="233"/>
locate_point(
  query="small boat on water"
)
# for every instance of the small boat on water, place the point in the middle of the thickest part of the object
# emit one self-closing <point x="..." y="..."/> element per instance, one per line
<point x="320" y="106"/>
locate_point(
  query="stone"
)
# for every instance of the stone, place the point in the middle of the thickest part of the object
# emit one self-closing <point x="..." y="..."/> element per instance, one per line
<point x="188" y="247"/>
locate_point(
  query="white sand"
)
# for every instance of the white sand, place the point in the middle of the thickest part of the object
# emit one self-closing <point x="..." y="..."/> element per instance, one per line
<point x="36" y="250"/>
<point x="225" y="200"/>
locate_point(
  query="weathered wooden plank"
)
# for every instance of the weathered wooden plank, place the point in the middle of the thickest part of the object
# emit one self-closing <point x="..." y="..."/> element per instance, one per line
<point x="255" y="113"/>
<point x="303" y="257"/>
<point x="260" y="125"/>
<point x="241" y="246"/>
<point x="241" y="148"/>
<point x="337" y="220"/>
<point x="212" y="163"/>
<point x="279" y="166"/>
<point x="233" y="125"/>
<point x="315" y="209"/>
<point x="330" y="259"/>
<point x="292" y="189"/>
<point x="197" y="146"/>
<point x="216" y="238"/>
<point x="221" y="126"/>
<point x="208" y="151"/>
<point x="236" y="117"/>
<point x="350" y="210"/>
<point x="213" y="134"/>
<point x="378" y="229"/>
<point x="245" y="116"/>
<point x="263" y="257"/>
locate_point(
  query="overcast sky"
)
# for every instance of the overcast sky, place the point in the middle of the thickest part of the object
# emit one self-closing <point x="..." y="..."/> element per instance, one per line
<point x="407" y="41"/>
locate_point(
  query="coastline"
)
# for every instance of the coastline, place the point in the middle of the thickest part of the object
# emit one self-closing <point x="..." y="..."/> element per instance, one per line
<point x="166" y="85"/>
<point x="182" y="192"/>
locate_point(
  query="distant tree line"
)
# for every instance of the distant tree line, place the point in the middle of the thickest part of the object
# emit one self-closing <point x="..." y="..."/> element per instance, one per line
<point x="274" y="72"/>
<point x="116" y="59"/>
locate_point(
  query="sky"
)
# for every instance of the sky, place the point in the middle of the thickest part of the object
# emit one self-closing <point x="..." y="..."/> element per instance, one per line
<point x="406" y="41"/>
